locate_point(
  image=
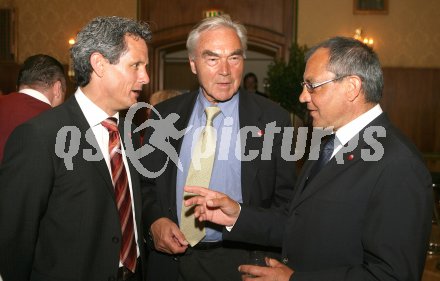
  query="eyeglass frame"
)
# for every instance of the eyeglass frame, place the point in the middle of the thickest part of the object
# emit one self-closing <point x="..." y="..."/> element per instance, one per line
<point x="312" y="86"/>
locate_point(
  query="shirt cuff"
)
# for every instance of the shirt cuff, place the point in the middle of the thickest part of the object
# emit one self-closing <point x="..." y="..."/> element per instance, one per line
<point x="229" y="228"/>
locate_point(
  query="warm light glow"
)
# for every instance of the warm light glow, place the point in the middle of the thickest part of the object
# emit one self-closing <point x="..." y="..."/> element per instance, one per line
<point x="366" y="40"/>
<point x="70" y="71"/>
<point x="212" y="13"/>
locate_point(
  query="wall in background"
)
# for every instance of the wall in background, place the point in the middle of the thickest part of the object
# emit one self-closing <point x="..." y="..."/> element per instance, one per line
<point x="408" y="36"/>
<point x="407" y="41"/>
<point x="45" y="26"/>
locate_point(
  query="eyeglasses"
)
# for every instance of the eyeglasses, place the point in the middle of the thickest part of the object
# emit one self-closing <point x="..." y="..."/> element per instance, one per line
<point x="312" y="86"/>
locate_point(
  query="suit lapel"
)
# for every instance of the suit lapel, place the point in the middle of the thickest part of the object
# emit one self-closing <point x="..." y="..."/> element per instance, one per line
<point x="250" y="115"/>
<point x="333" y="169"/>
<point x="184" y="110"/>
<point x="303" y="178"/>
<point x="91" y="143"/>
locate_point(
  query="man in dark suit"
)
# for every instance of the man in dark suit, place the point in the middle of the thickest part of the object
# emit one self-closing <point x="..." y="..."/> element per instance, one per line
<point x="242" y="167"/>
<point x="41" y="86"/>
<point x="70" y="202"/>
<point x="366" y="214"/>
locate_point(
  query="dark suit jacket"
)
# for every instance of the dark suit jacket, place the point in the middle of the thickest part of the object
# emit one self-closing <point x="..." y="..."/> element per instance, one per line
<point x="265" y="183"/>
<point x="59" y="224"/>
<point x="15" y="109"/>
<point x="354" y="221"/>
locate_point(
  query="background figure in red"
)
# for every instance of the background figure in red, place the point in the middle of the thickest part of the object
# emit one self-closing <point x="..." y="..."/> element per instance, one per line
<point x="41" y="85"/>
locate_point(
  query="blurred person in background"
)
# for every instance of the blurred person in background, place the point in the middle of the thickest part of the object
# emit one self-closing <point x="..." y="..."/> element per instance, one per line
<point x="41" y="85"/>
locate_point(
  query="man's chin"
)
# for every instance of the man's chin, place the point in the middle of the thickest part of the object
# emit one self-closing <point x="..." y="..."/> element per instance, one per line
<point x="223" y="97"/>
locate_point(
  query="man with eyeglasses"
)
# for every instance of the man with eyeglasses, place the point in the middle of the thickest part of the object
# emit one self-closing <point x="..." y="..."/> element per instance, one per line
<point x="216" y="49"/>
<point x="358" y="217"/>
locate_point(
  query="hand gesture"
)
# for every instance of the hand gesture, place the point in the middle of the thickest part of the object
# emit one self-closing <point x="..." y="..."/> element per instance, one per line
<point x="213" y="206"/>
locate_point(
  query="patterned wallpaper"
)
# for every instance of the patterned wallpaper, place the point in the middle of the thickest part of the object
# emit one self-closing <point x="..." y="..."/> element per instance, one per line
<point x="408" y="36"/>
<point x="45" y="26"/>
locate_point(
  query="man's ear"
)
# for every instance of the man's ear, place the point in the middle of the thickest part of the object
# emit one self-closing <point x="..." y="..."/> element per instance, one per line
<point x="354" y="87"/>
<point x="98" y="62"/>
<point x="192" y="63"/>
<point x="58" y="93"/>
<point x="58" y="89"/>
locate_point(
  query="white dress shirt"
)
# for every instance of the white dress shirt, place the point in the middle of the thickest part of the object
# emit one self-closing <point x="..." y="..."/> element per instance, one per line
<point x="95" y="115"/>
<point x="348" y="131"/>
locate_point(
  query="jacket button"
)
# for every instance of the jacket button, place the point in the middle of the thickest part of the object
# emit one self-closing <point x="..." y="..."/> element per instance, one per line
<point x="176" y="258"/>
<point x="115" y="239"/>
<point x="285" y="260"/>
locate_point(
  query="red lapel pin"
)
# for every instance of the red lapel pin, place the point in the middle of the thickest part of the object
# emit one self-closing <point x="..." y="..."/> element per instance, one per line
<point x="260" y="133"/>
<point x="350" y="157"/>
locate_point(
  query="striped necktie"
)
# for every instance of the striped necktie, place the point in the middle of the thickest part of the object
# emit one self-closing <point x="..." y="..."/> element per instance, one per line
<point x="128" y="252"/>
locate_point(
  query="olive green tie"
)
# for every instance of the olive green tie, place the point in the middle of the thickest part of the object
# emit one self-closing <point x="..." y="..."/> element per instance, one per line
<point x="199" y="174"/>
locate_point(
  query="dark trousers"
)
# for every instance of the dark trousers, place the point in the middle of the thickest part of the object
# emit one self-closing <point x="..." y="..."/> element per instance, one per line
<point x="219" y="264"/>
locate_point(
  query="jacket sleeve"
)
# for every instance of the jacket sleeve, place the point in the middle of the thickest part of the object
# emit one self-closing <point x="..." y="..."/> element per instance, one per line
<point x="258" y="226"/>
<point x="285" y="178"/>
<point x="25" y="185"/>
<point x="152" y="208"/>
<point x="396" y="228"/>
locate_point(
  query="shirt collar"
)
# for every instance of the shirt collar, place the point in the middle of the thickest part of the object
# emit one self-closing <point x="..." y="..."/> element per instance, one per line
<point x="35" y="94"/>
<point x="93" y="113"/>
<point x="348" y="131"/>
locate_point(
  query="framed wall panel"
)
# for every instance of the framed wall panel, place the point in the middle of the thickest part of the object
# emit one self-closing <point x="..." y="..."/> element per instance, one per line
<point x="8" y="35"/>
<point x="370" y="6"/>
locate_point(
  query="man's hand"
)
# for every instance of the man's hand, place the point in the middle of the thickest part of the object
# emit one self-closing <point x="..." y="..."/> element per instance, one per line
<point x="167" y="237"/>
<point x="275" y="271"/>
<point x="213" y="206"/>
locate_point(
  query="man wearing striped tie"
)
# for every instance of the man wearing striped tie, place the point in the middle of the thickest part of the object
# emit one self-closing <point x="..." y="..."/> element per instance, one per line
<point x="70" y="204"/>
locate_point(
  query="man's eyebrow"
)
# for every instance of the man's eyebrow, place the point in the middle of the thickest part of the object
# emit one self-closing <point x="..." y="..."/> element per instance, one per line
<point x="238" y="52"/>
<point x="214" y="54"/>
<point x="209" y="53"/>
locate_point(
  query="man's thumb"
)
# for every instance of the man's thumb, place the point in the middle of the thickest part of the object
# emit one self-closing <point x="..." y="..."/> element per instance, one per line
<point x="273" y="262"/>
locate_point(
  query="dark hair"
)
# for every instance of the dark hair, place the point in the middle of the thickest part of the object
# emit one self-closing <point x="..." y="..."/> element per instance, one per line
<point x="249" y="75"/>
<point x="348" y="56"/>
<point x="41" y="71"/>
<point x="105" y="35"/>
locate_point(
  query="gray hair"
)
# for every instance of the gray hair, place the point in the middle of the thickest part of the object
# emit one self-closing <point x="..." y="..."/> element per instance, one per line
<point x="41" y="71"/>
<point x="349" y="56"/>
<point x="214" y="23"/>
<point x="105" y="35"/>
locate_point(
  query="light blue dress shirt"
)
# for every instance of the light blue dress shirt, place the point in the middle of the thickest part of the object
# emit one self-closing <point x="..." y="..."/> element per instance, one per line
<point x="226" y="172"/>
